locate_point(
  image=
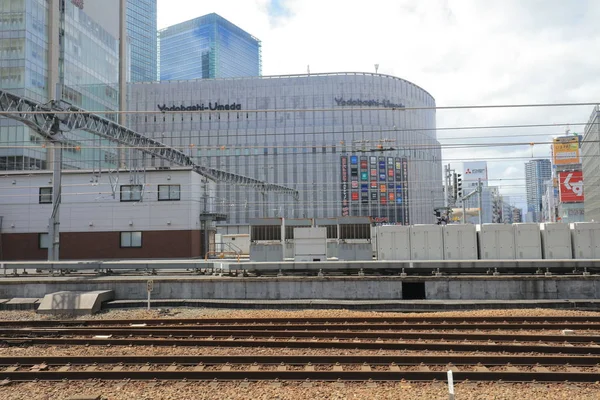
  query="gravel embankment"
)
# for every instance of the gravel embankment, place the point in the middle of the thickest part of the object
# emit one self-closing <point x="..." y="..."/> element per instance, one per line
<point x="258" y="391"/>
<point x="295" y="391"/>
<point x="228" y="313"/>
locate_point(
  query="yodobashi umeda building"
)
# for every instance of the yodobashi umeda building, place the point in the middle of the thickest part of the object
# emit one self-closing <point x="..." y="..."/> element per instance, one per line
<point x="350" y="143"/>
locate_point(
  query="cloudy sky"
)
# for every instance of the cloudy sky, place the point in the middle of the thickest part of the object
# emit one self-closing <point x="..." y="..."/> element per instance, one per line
<point x="463" y="52"/>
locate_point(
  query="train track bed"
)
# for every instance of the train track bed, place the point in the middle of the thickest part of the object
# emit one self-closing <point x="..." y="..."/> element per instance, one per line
<point x="289" y="355"/>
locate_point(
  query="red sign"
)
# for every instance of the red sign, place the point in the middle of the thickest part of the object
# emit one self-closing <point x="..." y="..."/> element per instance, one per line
<point x="571" y="187"/>
<point x="354" y="196"/>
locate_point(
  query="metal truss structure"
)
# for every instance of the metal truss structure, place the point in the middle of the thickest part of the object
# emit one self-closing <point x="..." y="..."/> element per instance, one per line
<point x="53" y="118"/>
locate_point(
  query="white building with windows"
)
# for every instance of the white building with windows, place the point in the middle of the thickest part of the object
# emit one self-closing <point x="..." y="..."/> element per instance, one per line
<point x="351" y="143"/>
<point x="156" y="214"/>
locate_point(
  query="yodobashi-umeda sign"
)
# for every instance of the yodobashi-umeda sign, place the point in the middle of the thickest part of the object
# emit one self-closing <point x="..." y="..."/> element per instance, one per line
<point x="366" y="103"/>
<point x="201" y="107"/>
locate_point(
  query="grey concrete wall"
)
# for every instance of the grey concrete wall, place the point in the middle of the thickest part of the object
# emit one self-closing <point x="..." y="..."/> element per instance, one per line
<point x="514" y="289"/>
<point x="288" y="288"/>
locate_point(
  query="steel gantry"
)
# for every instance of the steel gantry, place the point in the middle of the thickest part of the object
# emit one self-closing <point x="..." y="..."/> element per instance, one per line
<point x="52" y="118"/>
<point x="55" y="117"/>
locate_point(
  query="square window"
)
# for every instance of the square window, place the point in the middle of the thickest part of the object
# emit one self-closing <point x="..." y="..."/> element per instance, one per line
<point x="169" y="192"/>
<point x="131" y="192"/>
<point x="46" y="195"/>
<point x="131" y="239"/>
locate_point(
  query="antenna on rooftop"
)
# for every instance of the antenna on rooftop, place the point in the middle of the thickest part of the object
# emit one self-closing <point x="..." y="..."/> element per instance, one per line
<point x="308" y="69"/>
<point x="376" y="67"/>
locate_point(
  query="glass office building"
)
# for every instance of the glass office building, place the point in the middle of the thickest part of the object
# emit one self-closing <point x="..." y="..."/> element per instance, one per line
<point x="88" y="72"/>
<point x="346" y="141"/>
<point x="208" y="47"/>
<point x="537" y="173"/>
<point x="141" y="31"/>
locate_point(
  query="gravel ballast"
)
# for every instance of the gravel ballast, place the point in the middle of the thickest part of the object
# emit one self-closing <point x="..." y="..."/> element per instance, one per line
<point x="115" y="390"/>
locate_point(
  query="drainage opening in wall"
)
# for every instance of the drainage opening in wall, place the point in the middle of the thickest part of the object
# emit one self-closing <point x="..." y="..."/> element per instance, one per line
<point x="413" y="290"/>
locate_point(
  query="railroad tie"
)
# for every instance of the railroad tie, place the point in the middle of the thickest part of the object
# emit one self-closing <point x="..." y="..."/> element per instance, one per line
<point x="172" y="367"/>
<point x="540" y="368"/>
<point x="255" y="367"/>
<point x="199" y="367"/>
<point x="365" y="367"/>
<point x="512" y="368"/>
<point x="309" y="367"/>
<point x="481" y="368"/>
<point x="338" y="368"/>
<point x="423" y="368"/>
<point x="282" y="367"/>
<point x="394" y="367"/>
<point x="453" y="367"/>
<point x="226" y="367"/>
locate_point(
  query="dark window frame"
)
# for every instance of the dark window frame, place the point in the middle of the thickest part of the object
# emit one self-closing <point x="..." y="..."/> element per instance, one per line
<point x="169" y="191"/>
<point x="130" y="240"/>
<point x="130" y="191"/>
<point x="43" y="195"/>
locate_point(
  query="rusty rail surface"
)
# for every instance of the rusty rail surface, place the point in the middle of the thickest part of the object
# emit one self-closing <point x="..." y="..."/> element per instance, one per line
<point x="331" y="334"/>
<point x="312" y="344"/>
<point x="591" y="319"/>
<point x="332" y="368"/>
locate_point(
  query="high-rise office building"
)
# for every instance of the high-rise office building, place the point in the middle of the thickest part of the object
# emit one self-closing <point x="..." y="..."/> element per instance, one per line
<point x="141" y="32"/>
<point x="537" y="172"/>
<point x="207" y="47"/>
<point x="86" y="66"/>
<point x="590" y="156"/>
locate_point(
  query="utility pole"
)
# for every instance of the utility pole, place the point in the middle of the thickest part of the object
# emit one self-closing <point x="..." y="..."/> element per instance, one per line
<point x="480" y="199"/>
<point x="56" y="25"/>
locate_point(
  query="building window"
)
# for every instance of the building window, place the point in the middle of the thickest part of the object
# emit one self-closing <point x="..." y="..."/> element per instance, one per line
<point x="46" y="195"/>
<point x="131" y="239"/>
<point x="131" y="192"/>
<point x="169" y="192"/>
<point x="44" y="240"/>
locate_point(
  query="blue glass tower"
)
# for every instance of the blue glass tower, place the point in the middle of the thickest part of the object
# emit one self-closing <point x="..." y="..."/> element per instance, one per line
<point x="141" y="31"/>
<point x="208" y="47"/>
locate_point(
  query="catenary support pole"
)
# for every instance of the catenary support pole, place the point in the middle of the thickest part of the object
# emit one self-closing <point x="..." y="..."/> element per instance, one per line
<point x="479" y="190"/>
<point x="54" y="222"/>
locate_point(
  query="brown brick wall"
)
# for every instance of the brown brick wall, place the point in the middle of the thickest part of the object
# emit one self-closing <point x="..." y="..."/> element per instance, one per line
<point x="105" y="245"/>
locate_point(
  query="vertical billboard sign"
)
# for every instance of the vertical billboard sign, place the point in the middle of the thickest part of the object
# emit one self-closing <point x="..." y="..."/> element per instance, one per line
<point x="354" y="177"/>
<point x="571" y="187"/>
<point x="565" y="150"/>
<point x="473" y="171"/>
<point x="405" y="216"/>
<point x="345" y="199"/>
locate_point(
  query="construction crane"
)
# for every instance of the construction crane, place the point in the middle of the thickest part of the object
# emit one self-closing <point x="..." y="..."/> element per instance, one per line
<point x="55" y="117"/>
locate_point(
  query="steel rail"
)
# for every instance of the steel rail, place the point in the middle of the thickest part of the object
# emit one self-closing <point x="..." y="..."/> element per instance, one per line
<point x="398" y="335"/>
<point x="364" y="320"/>
<point x="407" y="360"/>
<point x="342" y="327"/>
<point x="303" y="375"/>
<point x="313" y="344"/>
<point x="578" y="326"/>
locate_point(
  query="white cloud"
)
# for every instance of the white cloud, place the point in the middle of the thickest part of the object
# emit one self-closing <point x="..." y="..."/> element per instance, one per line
<point x="463" y="52"/>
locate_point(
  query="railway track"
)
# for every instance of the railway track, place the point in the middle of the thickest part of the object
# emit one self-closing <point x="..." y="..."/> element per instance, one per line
<point x="294" y="368"/>
<point x="591" y="320"/>
<point x="172" y="332"/>
<point x="540" y="354"/>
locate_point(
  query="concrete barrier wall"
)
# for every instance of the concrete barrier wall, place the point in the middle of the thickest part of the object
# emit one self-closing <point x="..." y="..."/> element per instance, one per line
<point x="289" y="288"/>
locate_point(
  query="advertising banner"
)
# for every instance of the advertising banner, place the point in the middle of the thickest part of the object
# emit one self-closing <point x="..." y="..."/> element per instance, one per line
<point x="571" y="187"/>
<point x="345" y="195"/>
<point x="565" y="150"/>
